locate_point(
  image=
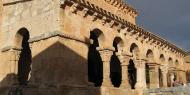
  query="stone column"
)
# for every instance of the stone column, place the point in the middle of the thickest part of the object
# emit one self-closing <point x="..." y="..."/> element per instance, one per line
<point x="13" y="57"/>
<point x="179" y="76"/>
<point x="172" y="78"/>
<point x="183" y="77"/>
<point x="154" y="75"/>
<point x="124" y="59"/>
<point x="141" y="79"/>
<point x="164" y="74"/>
<point x="106" y="56"/>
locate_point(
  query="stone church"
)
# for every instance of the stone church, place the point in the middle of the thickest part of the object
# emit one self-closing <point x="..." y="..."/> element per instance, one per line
<point x="83" y="47"/>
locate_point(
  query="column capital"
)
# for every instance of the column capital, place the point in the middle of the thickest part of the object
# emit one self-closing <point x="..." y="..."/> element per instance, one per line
<point x="123" y="58"/>
<point x="153" y="67"/>
<point x="141" y="80"/>
<point x="105" y="53"/>
<point x="171" y="69"/>
<point x="107" y="48"/>
<point x="152" y="64"/>
<point x="164" y="69"/>
<point x="139" y="63"/>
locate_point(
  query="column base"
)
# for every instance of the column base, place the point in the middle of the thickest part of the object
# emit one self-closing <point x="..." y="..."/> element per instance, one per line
<point x="106" y="83"/>
<point x="124" y="85"/>
<point x="139" y="91"/>
<point x="140" y="86"/>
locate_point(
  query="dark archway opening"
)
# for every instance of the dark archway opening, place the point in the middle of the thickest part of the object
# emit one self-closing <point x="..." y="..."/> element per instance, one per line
<point x="160" y="77"/>
<point x="147" y="76"/>
<point x="25" y="59"/>
<point x="132" y="72"/>
<point x="95" y="65"/>
<point x="115" y="65"/>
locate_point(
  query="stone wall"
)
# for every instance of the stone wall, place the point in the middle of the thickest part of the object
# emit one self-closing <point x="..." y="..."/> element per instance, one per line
<point x="60" y="62"/>
<point x="38" y="16"/>
<point x="59" y="66"/>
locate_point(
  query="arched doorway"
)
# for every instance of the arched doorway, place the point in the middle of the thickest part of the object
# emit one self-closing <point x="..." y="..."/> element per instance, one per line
<point x="170" y="62"/>
<point x="132" y="74"/>
<point x="162" y="62"/>
<point x="169" y="79"/>
<point x="162" y="59"/>
<point x="176" y="63"/>
<point x="25" y="59"/>
<point x="170" y="74"/>
<point x="160" y="77"/>
<point x="188" y="76"/>
<point x="115" y="65"/>
<point x="132" y="71"/>
<point x="150" y="59"/>
<point x="147" y="75"/>
<point x="95" y="65"/>
<point x="178" y="75"/>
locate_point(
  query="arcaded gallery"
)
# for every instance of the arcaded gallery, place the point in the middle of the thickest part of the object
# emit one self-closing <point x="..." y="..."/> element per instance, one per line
<point x="85" y="47"/>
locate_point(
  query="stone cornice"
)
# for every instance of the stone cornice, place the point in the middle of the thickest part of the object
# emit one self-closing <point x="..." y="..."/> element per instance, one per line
<point x="119" y="4"/>
<point x="122" y="5"/>
<point x="112" y="10"/>
<point x="49" y="35"/>
<point x="121" y="23"/>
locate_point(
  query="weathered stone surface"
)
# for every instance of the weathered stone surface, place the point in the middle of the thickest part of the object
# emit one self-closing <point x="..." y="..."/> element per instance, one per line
<point x="47" y="47"/>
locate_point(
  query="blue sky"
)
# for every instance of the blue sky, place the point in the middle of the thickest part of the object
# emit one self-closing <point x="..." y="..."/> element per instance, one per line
<point x="169" y="19"/>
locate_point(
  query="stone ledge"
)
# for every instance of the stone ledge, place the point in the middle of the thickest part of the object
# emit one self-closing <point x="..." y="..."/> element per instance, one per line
<point x="7" y="48"/>
<point x="45" y="36"/>
<point x="48" y="35"/>
<point x="15" y="2"/>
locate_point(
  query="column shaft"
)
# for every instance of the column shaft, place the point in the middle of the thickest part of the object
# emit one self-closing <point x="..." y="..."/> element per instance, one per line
<point x="13" y="64"/>
<point x="184" y="77"/>
<point x="124" y="82"/>
<point x="106" y="56"/>
<point x="124" y="60"/>
<point x="164" y="71"/>
<point x="154" y="76"/>
<point x="164" y="79"/>
<point x="141" y="79"/>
